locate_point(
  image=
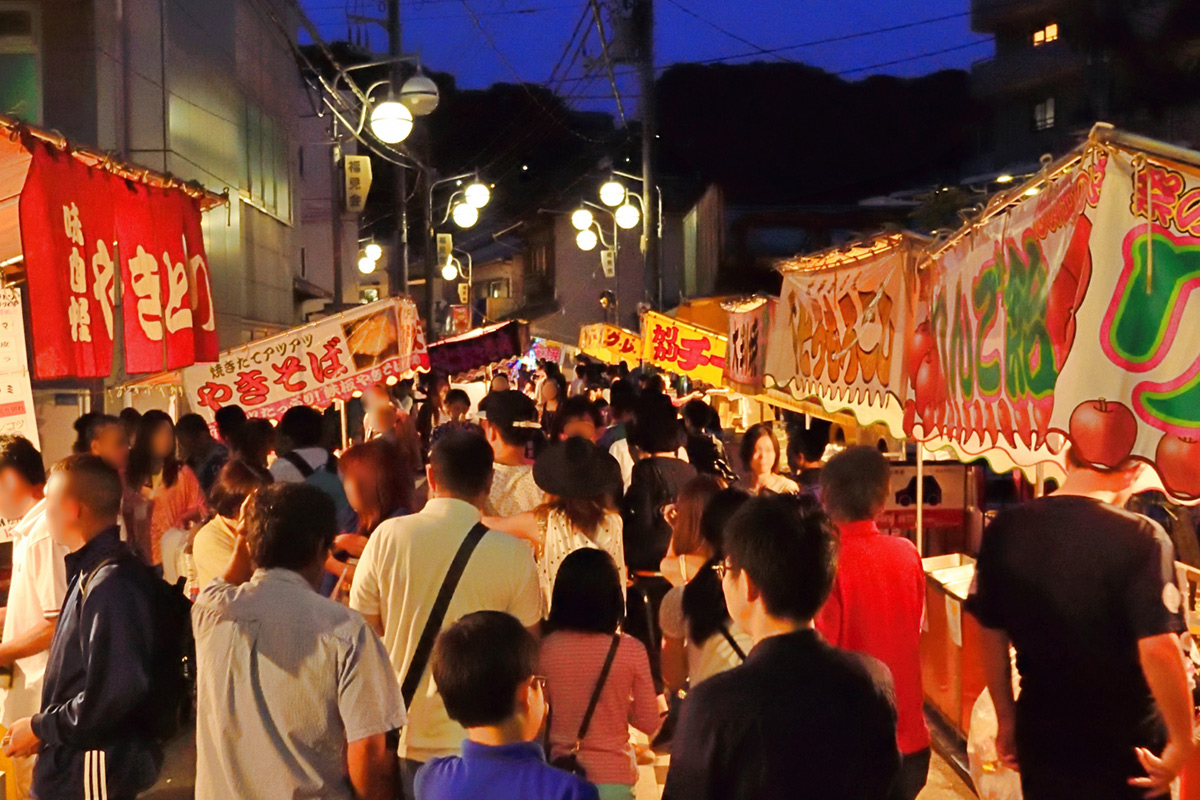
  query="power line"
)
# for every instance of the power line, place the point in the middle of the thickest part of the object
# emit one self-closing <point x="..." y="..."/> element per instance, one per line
<point x="608" y="64"/>
<point x="726" y="31"/>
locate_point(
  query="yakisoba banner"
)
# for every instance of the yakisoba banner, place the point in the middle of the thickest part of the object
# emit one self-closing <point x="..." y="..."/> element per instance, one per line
<point x="1072" y="315"/>
<point x="839" y="329"/>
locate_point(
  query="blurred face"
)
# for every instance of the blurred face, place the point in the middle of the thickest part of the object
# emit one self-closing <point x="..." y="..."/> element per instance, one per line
<point x="736" y="588"/>
<point x="14" y="493"/>
<point x="112" y="445"/>
<point x="62" y="510"/>
<point x="162" y="444"/>
<point x="458" y="411"/>
<point x="500" y="383"/>
<point x="442" y="389"/>
<point x="353" y="496"/>
<point x="762" y="462"/>
<point x="581" y="426"/>
<point x="531" y="697"/>
<point x="549" y="391"/>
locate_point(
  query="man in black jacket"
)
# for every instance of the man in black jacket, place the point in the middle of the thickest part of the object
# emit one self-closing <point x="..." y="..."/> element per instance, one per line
<point x="91" y="737"/>
<point x="799" y="718"/>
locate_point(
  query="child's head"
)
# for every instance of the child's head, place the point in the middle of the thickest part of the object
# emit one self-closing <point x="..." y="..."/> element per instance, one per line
<point x="484" y="667"/>
<point x="587" y="593"/>
<point x="458" y="403"/>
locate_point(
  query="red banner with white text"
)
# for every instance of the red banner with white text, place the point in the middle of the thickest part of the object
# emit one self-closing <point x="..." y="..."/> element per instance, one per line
<point x="72" y="217"/>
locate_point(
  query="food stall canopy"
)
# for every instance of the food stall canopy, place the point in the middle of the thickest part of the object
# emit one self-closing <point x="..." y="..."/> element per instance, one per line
<point x="683" y="348"/>
<point x="331" y="359"/>
<point x="479" y="348"/>
<point x="838" y="334"/>
<point x="1067" y="311"/>
<point x="63" y="211"/>
<point x="610" y="344"/>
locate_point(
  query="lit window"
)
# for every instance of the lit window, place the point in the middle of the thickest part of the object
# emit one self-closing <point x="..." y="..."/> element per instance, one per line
<point x="1046" y="35"/>
<point x="1043" y="115"/>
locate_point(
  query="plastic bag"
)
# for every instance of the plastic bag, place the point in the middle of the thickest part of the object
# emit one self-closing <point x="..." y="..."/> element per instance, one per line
<point x="993" y="780"/>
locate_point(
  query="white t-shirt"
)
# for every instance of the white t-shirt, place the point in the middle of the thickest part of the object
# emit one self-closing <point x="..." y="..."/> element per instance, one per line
<point x="39" y="585"/>
<point x="560" y="538"/>
<point x="715" y="655"/>
<point x="398" y="579"/>
<point x="284" y="471"/>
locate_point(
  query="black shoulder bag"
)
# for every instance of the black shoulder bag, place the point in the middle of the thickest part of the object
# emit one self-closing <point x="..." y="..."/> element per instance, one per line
<point x="724" y="629"/>
<point x="570" y="762"/>
<point x="433" y="626"/>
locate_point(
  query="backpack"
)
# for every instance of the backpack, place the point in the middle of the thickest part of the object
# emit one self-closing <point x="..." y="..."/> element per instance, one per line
<point x="324" y="477"/>
<point x="170" y="703"/>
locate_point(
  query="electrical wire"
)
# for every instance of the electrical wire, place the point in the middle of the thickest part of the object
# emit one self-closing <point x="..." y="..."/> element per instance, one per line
<point x="758" y="49"/>
<point x="608" y="64"/>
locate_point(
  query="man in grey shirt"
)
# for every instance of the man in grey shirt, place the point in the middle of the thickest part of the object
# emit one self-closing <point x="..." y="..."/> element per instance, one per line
<point x="295" y="693"/>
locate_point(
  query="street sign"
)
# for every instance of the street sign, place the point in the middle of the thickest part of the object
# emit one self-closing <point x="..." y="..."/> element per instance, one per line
<point x="358" y="182"/>
<point x="608" y="263"/>
<point x="464" y="293"/>
<point x="460" y="318"/>
<point x="445" y="246"/>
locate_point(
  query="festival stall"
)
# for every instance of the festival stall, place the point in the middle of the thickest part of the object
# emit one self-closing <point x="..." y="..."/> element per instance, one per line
<point x="610" y="344"/>
<point x="461" y="356"/>
<point x="683" y="348"/>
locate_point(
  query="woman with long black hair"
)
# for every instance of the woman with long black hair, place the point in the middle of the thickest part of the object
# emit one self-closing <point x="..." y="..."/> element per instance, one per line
<point x="159" y="476"/>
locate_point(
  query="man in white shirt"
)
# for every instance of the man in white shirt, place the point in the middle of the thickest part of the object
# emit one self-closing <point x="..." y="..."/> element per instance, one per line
<point x="299" y="435"/>
<point x="295" y="694"/>
<point x="39" y="584"/>
<point x="401" y="573"/>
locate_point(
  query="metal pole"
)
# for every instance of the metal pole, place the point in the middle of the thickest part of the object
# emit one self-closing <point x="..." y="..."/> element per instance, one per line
<point x="921" y="499"/>
<point x="398" y="264"/>
<point x="335" y="204"/>
<point x="430" y="255"/>
<point x="653" y="277"/>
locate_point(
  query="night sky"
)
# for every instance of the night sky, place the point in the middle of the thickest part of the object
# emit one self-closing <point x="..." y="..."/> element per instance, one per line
<point x="524" y="39"/>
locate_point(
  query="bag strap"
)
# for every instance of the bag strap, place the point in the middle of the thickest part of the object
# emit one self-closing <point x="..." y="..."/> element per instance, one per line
<point x="591" y="709"/>
<point x="433" y="625"/>
<point x="297" y="461"/>
<point x="732" y="641"/>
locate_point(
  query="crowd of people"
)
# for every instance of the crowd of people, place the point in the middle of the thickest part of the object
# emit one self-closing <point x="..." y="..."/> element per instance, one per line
<point x="488" y="599"/>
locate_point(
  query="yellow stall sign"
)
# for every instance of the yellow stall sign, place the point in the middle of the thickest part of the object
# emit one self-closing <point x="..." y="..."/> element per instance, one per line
<point x="610" y="344"/>
<point x="683" y="349"/>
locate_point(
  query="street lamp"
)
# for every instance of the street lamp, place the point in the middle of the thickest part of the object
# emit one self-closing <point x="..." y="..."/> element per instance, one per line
<point x="477" y="194"/>
<point x="373" y="251"/>
<point x="366" y="265"/>
<point x="612" y="193"/>
<point x="391" y="122"/>
<point x="587" y="239"/>
<point x="449" y="271"/>
<point x="420" y="94"/>
<point x="627" y="216"/>
<point x="581" y="220"/>
<point x="465" y="215"/>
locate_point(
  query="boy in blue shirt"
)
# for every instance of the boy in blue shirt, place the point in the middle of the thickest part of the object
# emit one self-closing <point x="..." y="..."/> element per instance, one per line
<point x="483" y="666"/>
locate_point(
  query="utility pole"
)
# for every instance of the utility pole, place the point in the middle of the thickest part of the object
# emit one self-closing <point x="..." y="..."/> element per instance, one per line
<point x="645" y="28"/>
<point x="398" y="265"/>
<point x="335" y="203"/>
<point x="430" y="254"/>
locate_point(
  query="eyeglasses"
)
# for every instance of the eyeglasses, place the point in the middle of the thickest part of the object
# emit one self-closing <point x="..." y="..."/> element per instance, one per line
<point x="722" y="569"/>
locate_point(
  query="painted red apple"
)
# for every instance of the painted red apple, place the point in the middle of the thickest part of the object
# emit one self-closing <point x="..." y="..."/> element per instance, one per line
<point x="928" y="386"/>
<point x="1103" y="433"/>
<point x="923" y="342"/>
<point x="1178" y="460"/>
<point x="1067" y="291"/>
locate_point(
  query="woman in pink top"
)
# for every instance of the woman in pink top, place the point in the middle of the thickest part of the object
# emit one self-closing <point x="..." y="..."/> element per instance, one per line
<point x="161" y="478"/>
<point x="584" y="616"/>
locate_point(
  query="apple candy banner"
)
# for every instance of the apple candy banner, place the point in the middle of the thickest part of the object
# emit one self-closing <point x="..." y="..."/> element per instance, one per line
<point x="838" y="332"/>
<point x="313" y="365"/>
<point x="1068" y="317"/>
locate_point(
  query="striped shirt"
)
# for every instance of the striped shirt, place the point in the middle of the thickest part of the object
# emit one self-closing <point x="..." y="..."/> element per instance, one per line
<point x="572" y="662"/>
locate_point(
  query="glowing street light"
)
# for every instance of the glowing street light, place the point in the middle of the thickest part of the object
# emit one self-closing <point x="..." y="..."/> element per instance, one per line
<point x="612" y="194"/>
<point x="366" y="265"/>
<point x="391" y="122"/>
<point x="477" y="195"/>
<point x="627" y="216"/>
<point x="449" y="271"/>
<point x="587" y="239"/>
<point x="582" y="219"/>
<point x="373" y="251"/>
<point x="465" y="215"/>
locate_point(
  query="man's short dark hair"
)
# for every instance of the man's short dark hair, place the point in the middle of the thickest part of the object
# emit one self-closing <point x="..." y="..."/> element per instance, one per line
<point x="458" y="396"/>
<point x="288" y="525"/>
<point x="93" y="483"/>
<point x="18" y="453"/>
<point x="787" y="546"/>
<point x="229" y="420"/>
<point x="855" y="483"/>
<point x="478" y="663"/>
<point x="622" y="397"/>
<point x="656" y="429"/>
<point x="573" y="408"/>
<point x="191" y="426"/>
<point x="810" y="443"/>
<point x="236" y="481"/>
<point x="462" y="462"/>
<point x="303" y="426"/>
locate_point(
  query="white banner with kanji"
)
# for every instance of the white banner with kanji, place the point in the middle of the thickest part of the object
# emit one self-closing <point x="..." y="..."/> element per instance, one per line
<point x="16" y="395"/>
<point x="313" y="365"/>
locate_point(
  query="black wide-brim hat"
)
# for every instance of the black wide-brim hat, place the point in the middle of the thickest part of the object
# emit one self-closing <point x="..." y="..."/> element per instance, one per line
<point x="575" y="468"/>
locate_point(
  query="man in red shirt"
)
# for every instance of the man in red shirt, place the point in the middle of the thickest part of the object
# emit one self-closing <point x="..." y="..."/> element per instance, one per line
<point x="878" y="597"/>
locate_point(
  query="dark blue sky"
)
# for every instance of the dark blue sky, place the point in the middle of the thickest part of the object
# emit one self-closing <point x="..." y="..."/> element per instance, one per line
<point x="529" y="36"/>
